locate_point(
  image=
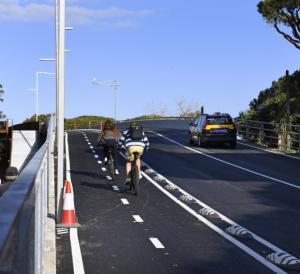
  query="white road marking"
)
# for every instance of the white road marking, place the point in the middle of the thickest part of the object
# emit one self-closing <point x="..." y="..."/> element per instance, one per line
<point x="115" y="188"/>
<point x="156" y="242"/>
<point x="103" y="168"/>
<point x="76" y="253"/>
<point x="270" y="151"/>
<point x="94" y="151"/>
<point x="224" y="218"/>
<point x="108" y="177"/>
<point x="228" y="163"/>
<point x="96" y="156"/>
<point x="125" y="201"/>
<point x="137" y="219"/>
<point x="240" y="245"/>
<point x="99" y="162"/>
<point x="75" y="247"/>
<point x="91" y="147"/>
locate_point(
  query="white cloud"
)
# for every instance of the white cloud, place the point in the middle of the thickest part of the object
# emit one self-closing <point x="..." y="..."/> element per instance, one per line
<point x="16" y="10"/>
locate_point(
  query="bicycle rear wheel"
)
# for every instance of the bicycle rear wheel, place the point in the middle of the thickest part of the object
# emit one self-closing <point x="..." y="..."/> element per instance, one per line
<point x="111" y="167"/>
<point x="135" y="180"/>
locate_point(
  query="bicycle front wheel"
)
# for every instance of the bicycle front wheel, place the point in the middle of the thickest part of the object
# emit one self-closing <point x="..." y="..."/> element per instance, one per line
<point x="135" y="180"/>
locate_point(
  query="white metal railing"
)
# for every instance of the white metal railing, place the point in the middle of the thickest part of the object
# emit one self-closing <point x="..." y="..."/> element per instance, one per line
<point x="282" y="136"/>
<point x="23" y="214"/>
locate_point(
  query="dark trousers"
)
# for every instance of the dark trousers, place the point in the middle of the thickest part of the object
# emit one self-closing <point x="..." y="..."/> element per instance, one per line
<point x="113" y="148"/>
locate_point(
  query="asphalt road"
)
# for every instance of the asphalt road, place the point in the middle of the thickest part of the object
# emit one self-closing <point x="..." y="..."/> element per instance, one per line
<point x="248" y="186"/>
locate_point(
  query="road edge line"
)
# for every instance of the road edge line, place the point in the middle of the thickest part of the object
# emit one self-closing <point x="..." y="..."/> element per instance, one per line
<point x="74" y="240"/>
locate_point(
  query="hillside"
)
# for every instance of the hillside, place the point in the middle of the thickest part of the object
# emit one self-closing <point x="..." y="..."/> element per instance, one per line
<point x="271" y="105"/>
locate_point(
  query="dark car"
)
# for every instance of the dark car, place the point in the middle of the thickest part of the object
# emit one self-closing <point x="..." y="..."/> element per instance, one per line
<point x="215" y="128"/>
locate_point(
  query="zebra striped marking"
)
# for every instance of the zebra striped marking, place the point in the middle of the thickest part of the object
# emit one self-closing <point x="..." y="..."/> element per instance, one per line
<point x="171" y="187"/>
<point x="158" y="178"/>
<point x="149" y="171"/>
<point x="187" y="198"/>
<point x="285" y="260"/>
<point x="239" y="231"/>
<point x="60" y="231"/>
<point x="209" y="212"/>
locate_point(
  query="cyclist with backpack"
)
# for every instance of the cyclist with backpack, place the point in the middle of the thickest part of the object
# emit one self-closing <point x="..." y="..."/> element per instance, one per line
<point x="133" y="140"/>
<point x="109" y="137"/>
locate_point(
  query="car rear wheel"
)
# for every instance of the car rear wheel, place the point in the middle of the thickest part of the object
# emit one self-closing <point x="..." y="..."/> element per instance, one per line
<point x="233" y="144"/>
<point x="199" y="142"/>
<point x="190" y="139"/>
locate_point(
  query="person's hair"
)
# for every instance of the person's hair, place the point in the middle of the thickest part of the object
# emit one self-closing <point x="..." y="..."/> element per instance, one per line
<point x="109" y="125"/>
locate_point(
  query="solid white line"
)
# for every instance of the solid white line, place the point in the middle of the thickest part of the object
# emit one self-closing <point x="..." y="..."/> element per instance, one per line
<point x="76" y="252"/>
<point x="137" y="219"/>
<point x="125" y="201"/>
<point x="217" y="229"/>
<point x="156" y="242"/>
<point x="270" y="151"/>
<point x="75" y="247"/>
<point x="68" y="168"/>
<point x="115" y="188"/>
<point x="228" y="163"/>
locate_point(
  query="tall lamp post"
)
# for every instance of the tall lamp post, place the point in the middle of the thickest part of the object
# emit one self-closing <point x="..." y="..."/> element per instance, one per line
<point x="112" y="84"/>
<point x="36" y="89"/>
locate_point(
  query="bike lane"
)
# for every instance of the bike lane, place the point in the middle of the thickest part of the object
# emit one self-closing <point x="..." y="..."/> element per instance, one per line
<point x="114" y="240"/>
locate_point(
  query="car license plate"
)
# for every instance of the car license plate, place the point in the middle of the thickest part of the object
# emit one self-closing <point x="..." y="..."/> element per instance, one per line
<point x="222" y="130"/>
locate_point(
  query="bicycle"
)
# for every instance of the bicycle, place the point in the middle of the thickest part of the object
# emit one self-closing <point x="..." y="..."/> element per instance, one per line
<point x="134" y="176"/>
<point x="111" y="164"/>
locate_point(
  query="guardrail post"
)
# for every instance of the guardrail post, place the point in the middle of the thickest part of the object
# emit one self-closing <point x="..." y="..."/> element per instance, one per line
<point x="281" y="136"/>
<point x="261" y="134"/>
<point x="288" y="137"/>
<point x="298" y="139"/>
<point x="247" y="131"/>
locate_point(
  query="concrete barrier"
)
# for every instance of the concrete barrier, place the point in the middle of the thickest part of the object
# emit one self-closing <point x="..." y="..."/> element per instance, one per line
<point x="24" y="145"/>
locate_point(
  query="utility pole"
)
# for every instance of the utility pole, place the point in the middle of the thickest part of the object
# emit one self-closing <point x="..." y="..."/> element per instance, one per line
<point x="60" y="99"/>
<point x="288" y="111"/>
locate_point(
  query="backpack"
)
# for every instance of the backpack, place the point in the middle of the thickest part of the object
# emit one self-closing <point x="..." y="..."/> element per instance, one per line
<point x="136" y="132"/>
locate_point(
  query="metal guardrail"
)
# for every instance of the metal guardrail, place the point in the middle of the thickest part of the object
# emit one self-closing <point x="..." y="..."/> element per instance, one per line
<point x="283" y="136"/>
<point x="23" y="215"/>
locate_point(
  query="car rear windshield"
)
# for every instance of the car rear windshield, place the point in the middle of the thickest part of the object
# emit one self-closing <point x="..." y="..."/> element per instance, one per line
<point x="219" y="120"/>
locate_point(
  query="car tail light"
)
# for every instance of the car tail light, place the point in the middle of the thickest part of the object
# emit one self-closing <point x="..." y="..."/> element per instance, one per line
<point x="205" y="124"/>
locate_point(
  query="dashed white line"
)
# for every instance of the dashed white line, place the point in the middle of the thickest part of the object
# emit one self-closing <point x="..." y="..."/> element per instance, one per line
<point x="91" y="147"/>
<point x="103" y="168"/>
<point x="228" y="163"/>
<point x="115" y="188"/>
<point x="156" y="242"/>
<point x="137" y="219"/>
<point x="99" y="162"/>
<point x="96" y="156"/>
<point x="125" y="201"/>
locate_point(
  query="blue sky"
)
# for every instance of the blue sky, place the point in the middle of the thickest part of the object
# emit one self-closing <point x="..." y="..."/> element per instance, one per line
<point x="219" y="54"/>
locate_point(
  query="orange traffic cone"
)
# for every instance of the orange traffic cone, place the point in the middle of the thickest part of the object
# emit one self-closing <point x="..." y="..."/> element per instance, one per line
<point x="68" y="218"/>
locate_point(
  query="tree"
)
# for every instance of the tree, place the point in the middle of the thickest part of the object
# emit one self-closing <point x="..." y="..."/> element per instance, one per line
<point x="284" y="16"/>
<point x="187" y="109"/>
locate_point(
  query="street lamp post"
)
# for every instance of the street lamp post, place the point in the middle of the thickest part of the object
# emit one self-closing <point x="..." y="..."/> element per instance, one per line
<point x="112" y="84"/>
<point x="36" y="89"/>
